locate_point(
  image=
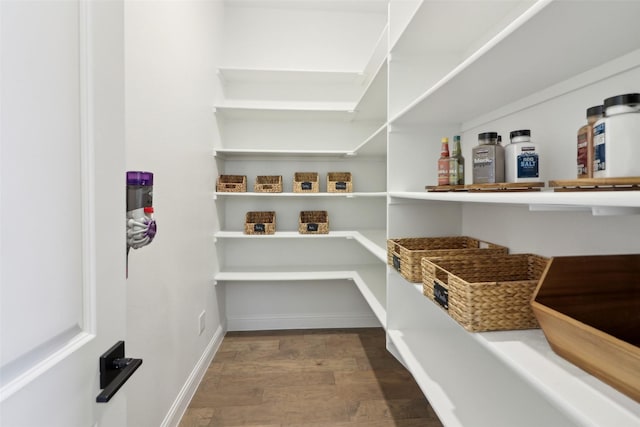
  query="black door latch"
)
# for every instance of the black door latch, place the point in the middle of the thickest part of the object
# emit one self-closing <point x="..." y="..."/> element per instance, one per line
<point x="115" y="370"/>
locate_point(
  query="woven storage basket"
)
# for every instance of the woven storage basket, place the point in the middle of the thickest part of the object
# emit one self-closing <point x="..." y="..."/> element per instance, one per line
<point x="306" y="182"/>
<point x="260" y="223"/>
<point x="405" y="254"/>
<point x="313" y="222"/>
<point x="232" y="183"/>
<point x="339" y="182"/>
<point x="268" y="184"/>
<point x="485" y="293"/>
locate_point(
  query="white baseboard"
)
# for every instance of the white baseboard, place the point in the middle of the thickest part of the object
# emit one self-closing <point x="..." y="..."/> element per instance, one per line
<point x="302" y="321"/>
<point x="179" y="406"/>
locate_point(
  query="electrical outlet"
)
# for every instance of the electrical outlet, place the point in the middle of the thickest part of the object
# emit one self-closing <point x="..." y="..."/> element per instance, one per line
<point x="201" y="322"/>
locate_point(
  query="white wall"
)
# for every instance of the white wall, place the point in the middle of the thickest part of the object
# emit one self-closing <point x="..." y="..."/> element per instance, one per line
<point x="296" y="35"/>
<point x="172" y="49"/>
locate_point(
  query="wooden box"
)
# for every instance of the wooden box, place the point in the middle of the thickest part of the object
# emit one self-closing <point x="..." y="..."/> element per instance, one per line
<point x="339" y="182"/>
<point x="589" y="309"/>
<point x="306" y="182"/>
<point x="485" y="293"/>
<point x="260" y="222"/>
<point x="313" y="222"/>
<point x="268" y="184"/>
<point x="232" y="183"/>
<point x="404" y="255"/>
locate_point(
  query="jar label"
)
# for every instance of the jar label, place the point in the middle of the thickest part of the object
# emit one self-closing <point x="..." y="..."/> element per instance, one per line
<point x="528" y="165"/>
<point x="583" y="153"/>
<point x="599" y="144"/>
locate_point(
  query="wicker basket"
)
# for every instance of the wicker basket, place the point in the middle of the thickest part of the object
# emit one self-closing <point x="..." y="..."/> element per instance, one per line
<point x="268" y="184"/>
<point x="260" y="223"/>
<point x="339" y="182"/>
<point x="485" y="293"/>
<point x="306" y="182"/>
<point x="313" y="222"/>
<point x="232" y="183"/>
<point x="405" y="254"/>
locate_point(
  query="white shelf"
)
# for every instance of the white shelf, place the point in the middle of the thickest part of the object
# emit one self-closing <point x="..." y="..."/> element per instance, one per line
<point x="551" y="48"/>
<point x="374" y="146"/>
<point x="372" y="240"/>
<point x="312" y="195"/>
<point x="368" y="278"/>
<point x="289" y="76"/>
<point x="540" y="200"/>
<point x="581" y="398"/>
<point x="273" y="110"/>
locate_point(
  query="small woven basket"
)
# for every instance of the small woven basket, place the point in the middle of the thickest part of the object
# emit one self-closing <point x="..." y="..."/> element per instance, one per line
<point x="232" y="183"/>
<point x="306" y="182"/>
<point x="405" y="254"/>
<point x="260" y="223"/>
<point x="485" y="293"/>
<point x="313" y="222"/>
<point x="339" y="182"/>
<point x="268" y="184"/>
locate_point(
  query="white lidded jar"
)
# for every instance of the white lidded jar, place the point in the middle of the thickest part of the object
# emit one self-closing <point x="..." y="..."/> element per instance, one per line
<point x="522" y="158"/>
<point x="616" y="138"/>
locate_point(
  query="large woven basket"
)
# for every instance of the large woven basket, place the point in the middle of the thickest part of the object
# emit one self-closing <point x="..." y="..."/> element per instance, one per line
<point x="306" y="182"/>
<point x="405" y="254"/>
<point x="268" y="184"/>
<point x="313" y="222"/>
<point x="232" y="183"/>
<point x="485" y="293"/>
<point x="260" y="222"/>
<point x="339" y="182"/>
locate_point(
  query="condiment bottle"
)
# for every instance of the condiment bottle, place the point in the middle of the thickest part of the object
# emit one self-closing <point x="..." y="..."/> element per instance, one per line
<point x="522" y="158"/>
<point x="616" y="138"/>
<point x="488" y="159"/>
<point x="456" y="163"/>
<point x="585" y="142"/>
<point x="443" y="163"/>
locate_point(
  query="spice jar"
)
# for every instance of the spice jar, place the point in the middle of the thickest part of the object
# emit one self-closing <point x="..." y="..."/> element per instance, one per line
<point x="488" y="159"/>
<point x="585" y="142"/>
<point x="522" y="159"/>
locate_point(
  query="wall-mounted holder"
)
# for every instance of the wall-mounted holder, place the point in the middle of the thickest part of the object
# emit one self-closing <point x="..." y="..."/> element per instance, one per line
<point x="115" y="370"/>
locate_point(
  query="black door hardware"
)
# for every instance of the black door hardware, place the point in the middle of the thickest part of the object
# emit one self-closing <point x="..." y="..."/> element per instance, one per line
<point x="115" y="370"/>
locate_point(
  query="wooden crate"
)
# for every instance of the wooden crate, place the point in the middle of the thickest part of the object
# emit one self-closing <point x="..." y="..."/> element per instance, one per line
<point x="260" y="222"/>
<point x="405" y="254"/>
<point x="313" y="222"/>
<point x="485" y="293"/>
<point x="268" y="184"/>
<point x="232" y="183"/>
<point x="339" y="182"/>
<point x="589" y="310"/>
<point x="306" y="182"/>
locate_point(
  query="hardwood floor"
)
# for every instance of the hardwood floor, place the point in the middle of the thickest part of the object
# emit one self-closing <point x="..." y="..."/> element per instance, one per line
<point x="308" y="378"/>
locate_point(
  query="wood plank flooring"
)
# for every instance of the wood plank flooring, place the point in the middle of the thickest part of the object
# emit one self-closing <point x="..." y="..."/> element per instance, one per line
<point x="308" y="378"/>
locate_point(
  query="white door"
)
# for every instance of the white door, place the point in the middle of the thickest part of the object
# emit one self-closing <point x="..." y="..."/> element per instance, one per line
<point x="62" y="210"/>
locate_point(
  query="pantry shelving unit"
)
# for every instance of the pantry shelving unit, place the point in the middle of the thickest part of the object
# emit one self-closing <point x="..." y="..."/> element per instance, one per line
<point x="501" y="66"/>
<point x="272" y="122"/>
<point x="441" y="69"/>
